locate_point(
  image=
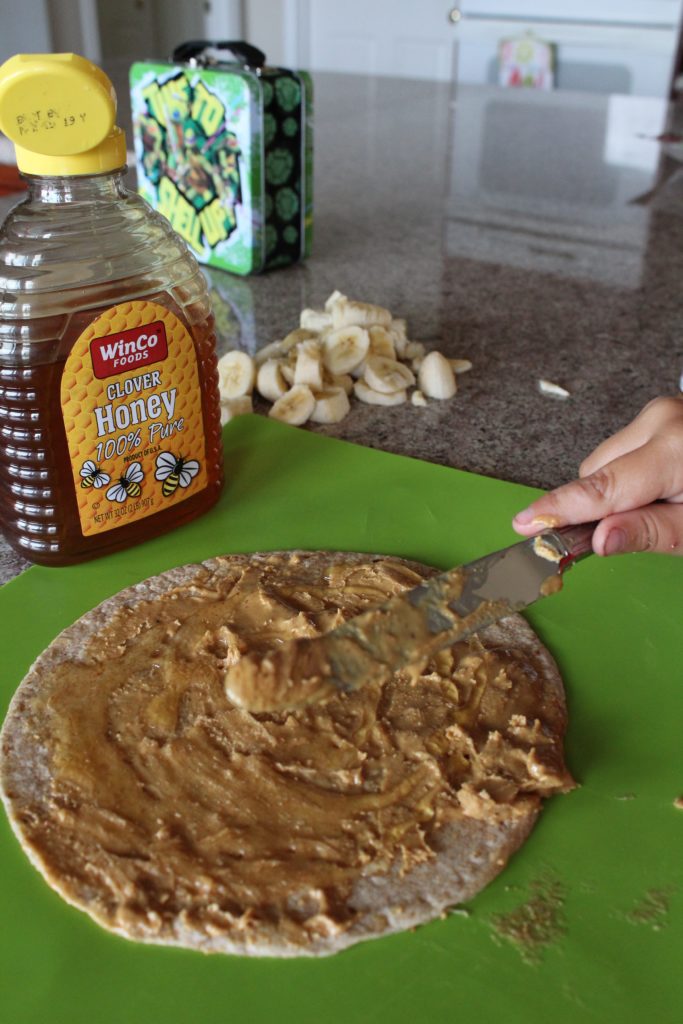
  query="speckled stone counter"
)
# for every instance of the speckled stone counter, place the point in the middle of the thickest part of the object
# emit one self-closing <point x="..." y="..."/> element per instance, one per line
<point x="538" y="235"/>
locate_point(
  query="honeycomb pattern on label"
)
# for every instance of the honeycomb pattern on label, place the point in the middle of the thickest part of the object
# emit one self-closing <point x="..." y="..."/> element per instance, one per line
<point x="122" y="499"/>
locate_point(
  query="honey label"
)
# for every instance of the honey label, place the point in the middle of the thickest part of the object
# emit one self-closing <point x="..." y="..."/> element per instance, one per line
<point x="131" y="403"/>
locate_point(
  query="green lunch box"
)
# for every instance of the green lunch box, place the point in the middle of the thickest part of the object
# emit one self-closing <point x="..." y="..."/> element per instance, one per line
<point x="224" y="150"/>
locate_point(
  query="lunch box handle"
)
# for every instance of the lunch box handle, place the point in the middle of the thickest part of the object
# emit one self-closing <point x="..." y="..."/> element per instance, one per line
<point x="244" y="53"/>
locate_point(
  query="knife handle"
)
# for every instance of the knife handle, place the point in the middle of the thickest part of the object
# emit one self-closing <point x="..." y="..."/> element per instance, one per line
<point x="577" y="540"/>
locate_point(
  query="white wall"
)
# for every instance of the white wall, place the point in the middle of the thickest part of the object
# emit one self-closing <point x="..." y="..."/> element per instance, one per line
<point x="73" y="26"/>
<point x="60" y="26"/>
<point x="264" y="26"/>
<point x="24" y="28"/>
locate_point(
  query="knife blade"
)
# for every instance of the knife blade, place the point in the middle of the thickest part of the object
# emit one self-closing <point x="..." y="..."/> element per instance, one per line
<point x="411" y="627"/>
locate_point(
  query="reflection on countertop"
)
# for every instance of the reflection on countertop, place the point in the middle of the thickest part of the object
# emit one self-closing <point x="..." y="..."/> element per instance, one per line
<point x="555" y="186"/>
<point x="536" y="234"/>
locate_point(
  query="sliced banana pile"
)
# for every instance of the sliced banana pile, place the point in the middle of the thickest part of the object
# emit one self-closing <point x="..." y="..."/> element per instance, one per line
<point x="349" y="348"/>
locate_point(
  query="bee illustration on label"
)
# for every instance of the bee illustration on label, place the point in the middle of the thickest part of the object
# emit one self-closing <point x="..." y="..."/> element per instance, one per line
<point x="175" y="471"/>
<point x="128" y="485"/>
<point x="92" y="475"/>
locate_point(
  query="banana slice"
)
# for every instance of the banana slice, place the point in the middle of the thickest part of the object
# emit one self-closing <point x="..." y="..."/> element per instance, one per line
<point x="232" y="407"/>
<point x="287" y="369"/>
<point x="387" y="375"/>
<point x="331" y="405"/>
<point x="309" y="365"/>
<point x="399" y="327"/>
<point x="340" y="380"/>
<point x="414" y="350"/>
<point x="314" y="319"/>
<point x="347" y="348"/>
<point x="381" y="342"/>
<point x="333" y="299"/>
<point x="236" y="374"/>
<point x="460" y="365"/>
<point x="364" y="393"/>
<point x="295" y="406"/>
<point x="346" y="312"/>
<point x="344" y="348"/>
<point x="398" y="335"/>
<point x="296" y="336"/>
<point x="547" y="387"/>
<point x="435" y="377"/>
<point x="271" y="351"/>
<point x="270" y="380"/>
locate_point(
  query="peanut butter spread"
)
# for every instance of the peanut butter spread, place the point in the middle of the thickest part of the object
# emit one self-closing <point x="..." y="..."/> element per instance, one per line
<point x="150" y="800"/>
<point x="372" y="645"/>
<point x="403" y="632"/>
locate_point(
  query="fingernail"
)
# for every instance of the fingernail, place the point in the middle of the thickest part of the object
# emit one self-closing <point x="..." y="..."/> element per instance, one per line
<point x="524" y="517"/>
<point x="615" y="542"/>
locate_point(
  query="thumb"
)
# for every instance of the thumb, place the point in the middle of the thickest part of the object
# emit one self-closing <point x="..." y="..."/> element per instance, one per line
<point x="657" y="527"/>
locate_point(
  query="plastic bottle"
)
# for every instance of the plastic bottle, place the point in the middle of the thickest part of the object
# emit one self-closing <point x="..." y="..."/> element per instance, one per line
<point x="109" y="408"/>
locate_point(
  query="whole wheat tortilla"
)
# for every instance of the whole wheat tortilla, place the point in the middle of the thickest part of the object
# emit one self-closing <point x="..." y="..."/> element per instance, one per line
<point x="457" y="861"/>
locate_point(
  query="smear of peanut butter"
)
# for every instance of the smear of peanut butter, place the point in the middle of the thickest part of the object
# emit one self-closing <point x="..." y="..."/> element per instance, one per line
<point x="168" y="803"/>
<point x="547" y="520"/>
<point x="401" y="633"/>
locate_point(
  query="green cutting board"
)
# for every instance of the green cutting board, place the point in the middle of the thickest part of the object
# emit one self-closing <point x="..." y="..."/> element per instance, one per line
<point x="611" y="852"/>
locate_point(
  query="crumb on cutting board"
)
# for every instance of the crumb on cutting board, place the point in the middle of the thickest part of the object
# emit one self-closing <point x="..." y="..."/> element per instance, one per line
<point x="652" y="909"/>
<point x="536" y="923"/>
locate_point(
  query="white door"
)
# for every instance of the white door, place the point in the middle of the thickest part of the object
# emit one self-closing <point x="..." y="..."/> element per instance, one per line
<point x="407" y="38"/>
<point x="133" y="30"/>
<point x="595" y="12"/>
<point x="633" y="39"/>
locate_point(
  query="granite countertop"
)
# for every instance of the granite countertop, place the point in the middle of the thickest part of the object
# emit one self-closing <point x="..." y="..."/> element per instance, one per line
<point x="539" y="235"/>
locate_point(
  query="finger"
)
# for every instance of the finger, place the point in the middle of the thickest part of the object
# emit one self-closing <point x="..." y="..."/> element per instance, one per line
<point x="659" y="415"/>
<point x="626" y="440"/>
<point x="653" y="528"/>
<point x="638" y="478"/>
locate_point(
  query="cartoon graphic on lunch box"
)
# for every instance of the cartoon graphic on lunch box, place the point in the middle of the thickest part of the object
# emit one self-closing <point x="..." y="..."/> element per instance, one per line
<point x="224" y="151"/>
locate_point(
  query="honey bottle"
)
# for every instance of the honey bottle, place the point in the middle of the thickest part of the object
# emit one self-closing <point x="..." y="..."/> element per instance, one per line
<point x="109" y="407"/>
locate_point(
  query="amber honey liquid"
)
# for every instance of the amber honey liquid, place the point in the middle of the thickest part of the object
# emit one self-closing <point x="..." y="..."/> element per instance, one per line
<point x="39" y="498"/>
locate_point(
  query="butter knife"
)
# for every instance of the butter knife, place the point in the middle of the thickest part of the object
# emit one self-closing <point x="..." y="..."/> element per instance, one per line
<point x="411" y="627"/>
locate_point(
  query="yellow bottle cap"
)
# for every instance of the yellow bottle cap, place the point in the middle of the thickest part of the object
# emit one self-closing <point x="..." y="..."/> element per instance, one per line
<point x="59" y="111"/>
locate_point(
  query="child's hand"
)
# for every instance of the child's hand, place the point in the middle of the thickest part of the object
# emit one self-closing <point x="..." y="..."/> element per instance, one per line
<point x="632" y="482"/>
